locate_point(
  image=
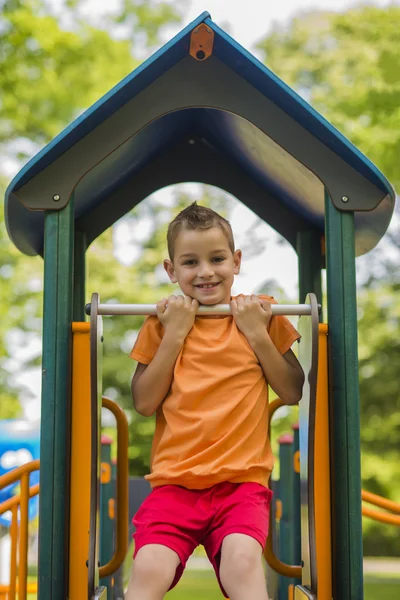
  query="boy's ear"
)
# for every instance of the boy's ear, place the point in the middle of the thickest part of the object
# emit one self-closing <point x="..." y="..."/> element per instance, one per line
<point x="237" y="261"/>
<point x="169" y="267"/>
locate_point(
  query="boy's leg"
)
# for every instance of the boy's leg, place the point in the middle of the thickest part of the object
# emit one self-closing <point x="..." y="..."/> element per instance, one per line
<point x="241" y="569"/>
<point x="237" y="537"/>
<point x="152" y="573"/>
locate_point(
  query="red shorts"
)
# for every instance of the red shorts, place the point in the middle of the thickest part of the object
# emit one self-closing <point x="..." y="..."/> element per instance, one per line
<point x="181" y="519"/>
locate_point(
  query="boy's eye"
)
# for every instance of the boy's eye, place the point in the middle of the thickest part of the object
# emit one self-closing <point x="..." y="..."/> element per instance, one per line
<point x="218" y="258"/>
<point x="189" y="262"/>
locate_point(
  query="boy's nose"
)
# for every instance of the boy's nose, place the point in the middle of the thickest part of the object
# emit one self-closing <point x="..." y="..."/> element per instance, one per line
<point x="206" y="270"/>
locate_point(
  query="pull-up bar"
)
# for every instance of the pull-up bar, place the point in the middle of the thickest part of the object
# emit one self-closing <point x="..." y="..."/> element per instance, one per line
<point x="217" y="309"/>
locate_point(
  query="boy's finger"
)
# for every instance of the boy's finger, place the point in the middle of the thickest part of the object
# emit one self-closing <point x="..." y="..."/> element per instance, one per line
<point x="161" y="305"/>
<point x="265" y="305"/>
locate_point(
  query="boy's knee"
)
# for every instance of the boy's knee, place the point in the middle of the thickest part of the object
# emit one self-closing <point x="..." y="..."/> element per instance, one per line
<point x="155" y="565"/>
<point x="240" y="565"/>
<point x="240" y="560"/>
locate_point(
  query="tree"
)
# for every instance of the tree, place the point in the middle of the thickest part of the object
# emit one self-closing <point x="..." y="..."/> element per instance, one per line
<point x="20" y="306"/>
<point x="54" y="63"/>
<point x="379" y="357"/>
<point x="347" y="66"/>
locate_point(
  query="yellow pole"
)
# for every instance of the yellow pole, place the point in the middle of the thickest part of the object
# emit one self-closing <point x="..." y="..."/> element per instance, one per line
<point x="121" y="542"/>
<point x="23" y="538"/>
<point x="14" y="548"/>
<point x="322" y="488"/>
<point x="377" y="515"/>
<point x="380" y="501"/>
<point x="80" y="462"/>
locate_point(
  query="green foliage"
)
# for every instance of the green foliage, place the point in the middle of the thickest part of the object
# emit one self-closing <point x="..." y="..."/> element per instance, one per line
<point x="347" y="66"/>
<point x="54" y="63"/>
<point x="379" y="357"/>
<point x="20" y="307"/>
<point x="49" y="74"/>
<point x="148" y="17"/>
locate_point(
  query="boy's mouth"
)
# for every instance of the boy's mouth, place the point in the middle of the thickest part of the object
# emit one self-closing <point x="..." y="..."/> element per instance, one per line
<point x="207" y="286"/>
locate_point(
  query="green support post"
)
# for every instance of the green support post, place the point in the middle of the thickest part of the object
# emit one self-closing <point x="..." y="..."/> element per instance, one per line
<point x="118" y="587"/>
<point x="106" y="522"/>
<point x="296" y="500"/>
<point x="79" y="276"/>
<point x="309" y="252"/>
<point x="55" y="410"/>
<point x="286" y="524"/>
<point x="344" y="404"/>
<point x="272" y="577"/>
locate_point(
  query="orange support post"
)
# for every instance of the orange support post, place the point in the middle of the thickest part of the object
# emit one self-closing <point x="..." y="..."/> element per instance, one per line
<point x="80" y="462"/>
<point x="322" y="492"/>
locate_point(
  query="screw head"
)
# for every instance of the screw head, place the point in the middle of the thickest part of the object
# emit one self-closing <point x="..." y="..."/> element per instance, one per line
<point x="56" y="197"/>
<point x="345" y="198"/>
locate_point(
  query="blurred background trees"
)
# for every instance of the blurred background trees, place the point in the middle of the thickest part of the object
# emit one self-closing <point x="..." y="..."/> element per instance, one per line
<point x="348" y="67"/>
<point x="56" y="60"/>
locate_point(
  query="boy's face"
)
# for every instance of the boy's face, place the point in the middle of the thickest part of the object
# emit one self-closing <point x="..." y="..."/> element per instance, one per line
<point x="204" y="266"/>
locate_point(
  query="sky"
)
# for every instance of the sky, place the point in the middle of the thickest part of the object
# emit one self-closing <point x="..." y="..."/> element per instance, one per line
<point x="247" y="22"/>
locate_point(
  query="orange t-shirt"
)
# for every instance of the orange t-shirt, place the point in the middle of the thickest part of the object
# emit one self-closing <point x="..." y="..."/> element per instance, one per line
<point x="213" y="424"/>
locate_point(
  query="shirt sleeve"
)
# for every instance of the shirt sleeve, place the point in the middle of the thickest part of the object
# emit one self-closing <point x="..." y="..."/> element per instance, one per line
<point x="280" y="329"/>
<point x="148" y="341"/>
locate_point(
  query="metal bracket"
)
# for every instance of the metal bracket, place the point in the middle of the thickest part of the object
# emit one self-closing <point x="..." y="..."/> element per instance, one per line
<point x="201" y="42"/>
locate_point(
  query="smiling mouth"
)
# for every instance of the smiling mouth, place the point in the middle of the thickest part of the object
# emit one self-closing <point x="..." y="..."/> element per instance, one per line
<point x="207" y="286"/>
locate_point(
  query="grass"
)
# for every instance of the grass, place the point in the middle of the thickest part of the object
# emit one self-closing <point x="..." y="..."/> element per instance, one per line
<point x="196" y="585"/>
<point x="381" y="589"/>
<point x="203" y="585"/>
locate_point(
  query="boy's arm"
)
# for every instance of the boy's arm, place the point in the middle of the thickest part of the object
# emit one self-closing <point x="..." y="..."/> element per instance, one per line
<point x="151" y="383"/>
<point x="283" y="373"/>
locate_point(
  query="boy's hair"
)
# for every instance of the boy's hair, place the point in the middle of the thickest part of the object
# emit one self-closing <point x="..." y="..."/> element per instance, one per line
<point x="197" y="217"/>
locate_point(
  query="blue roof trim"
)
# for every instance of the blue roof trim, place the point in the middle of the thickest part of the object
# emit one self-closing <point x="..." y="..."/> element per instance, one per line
<point x="159" y="62"/>
<point x="252" y="70"/>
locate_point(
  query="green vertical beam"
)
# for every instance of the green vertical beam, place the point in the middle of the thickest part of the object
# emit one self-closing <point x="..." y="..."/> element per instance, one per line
<point x="286" y="547"/>
<point x="79" y="276"/>
<point x="118" y="587"/>
<point x="106" y="523"/>
<point x="296" y="499"/>
<point x="309" y="252"/>
<point x="55" y="410"/>
<point x="344" y="403"/>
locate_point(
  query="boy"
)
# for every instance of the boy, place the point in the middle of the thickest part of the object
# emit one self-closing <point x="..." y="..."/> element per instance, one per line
<point x="206" y="378"/>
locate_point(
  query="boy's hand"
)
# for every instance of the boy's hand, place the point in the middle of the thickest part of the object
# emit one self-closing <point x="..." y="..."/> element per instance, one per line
<point x="251" y="314"/>
<point x="177" y="315"/>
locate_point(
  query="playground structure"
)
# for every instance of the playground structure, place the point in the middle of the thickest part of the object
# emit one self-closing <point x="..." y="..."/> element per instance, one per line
<point x="283" y="543"/>
<point x="201" y="109"/>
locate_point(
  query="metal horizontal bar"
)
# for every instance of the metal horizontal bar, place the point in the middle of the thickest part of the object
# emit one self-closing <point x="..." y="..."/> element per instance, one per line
<point x="217" y="309"/>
